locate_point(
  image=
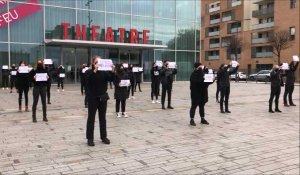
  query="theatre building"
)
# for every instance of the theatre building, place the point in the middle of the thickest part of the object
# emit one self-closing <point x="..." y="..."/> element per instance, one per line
<point x="127" y="31"/>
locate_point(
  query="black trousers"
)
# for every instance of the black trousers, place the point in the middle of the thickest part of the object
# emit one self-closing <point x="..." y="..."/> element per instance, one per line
<point x="95" y="104"/>
<point x="12" y="83"/>
<point x="5" y="81"/>
<point x="82" y="87"/>
<point x="217" y="92"/>
<point x="131" y="87"/>
<point x="48" y="91"/>
<point x="110" y="84"/>
<point x="275" y="92"/>
<point x="60" y="83"/>
<point x="195" y="104"/>
<point x="123" y="105"/>
<point x="137" y="84"/>
<point x="225" y="91"/>
<point x="39" y="91"/>
<point x="288" y="91"/>
<point x="166" y="89"/>
<point x="155" y="89"/>
<point x="24" y="90"/>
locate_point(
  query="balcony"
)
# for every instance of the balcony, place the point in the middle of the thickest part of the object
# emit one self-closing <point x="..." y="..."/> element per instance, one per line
<point x="214" y="33"/>
<point x="236" y="3"/>
<point x="214" y="9"/>
<point x="264" y="55"/>
<point x="234" y="30"/>
<point x="260" y="40"/>
<point x="263" y="13"/>
<point x="214" y="45"/>
<point x="227" y="18"/>
<point x="214" y="21"/>
<point x="263" y="25"/>
<point x="213" y="57"/>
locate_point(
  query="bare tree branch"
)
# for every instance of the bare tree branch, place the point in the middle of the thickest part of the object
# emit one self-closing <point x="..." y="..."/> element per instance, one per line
<point x="233" y="44"/>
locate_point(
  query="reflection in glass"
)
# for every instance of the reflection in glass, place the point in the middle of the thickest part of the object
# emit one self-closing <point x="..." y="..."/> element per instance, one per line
<point x="143" y="23"/>
<point x="164" y="55"/>
<point x="98" y="5"/>
<point x="3" y="54"/>
<point x="185" y="36"/>
<point x="165" y="8"/>
<point x="142" y="7"/>
<point x="119" y="6"/>
<point x="61" y="3"/>
<point x="119" y="21"/>
<point x="165" y="32"/>
<point x="185" y="9"/>
<point x="185" y="61"/>
<point x="27" y="52"/>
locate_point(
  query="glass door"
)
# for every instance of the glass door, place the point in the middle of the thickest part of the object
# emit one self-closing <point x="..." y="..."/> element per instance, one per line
<point x="68" y="57"/>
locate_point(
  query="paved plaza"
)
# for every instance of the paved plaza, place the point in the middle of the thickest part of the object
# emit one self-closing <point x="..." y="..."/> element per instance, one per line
<point x="250" y="140"/>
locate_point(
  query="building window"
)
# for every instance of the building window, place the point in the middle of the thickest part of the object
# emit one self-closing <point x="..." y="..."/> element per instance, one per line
<point x="292" y="33"/>
<point x="292" y="4"/>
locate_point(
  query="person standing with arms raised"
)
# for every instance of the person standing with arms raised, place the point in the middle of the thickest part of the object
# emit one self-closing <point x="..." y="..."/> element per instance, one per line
<point x="223" y="76"/>
<point x="61" y="76"/>
<point x="167" y="77"/>
<point x="289" y="84"/>
<point x="155" y="82"/>
<point x="96" y="92"/>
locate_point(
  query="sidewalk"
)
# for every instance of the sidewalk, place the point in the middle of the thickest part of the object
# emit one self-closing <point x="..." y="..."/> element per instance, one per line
<point x="153" y="141"/>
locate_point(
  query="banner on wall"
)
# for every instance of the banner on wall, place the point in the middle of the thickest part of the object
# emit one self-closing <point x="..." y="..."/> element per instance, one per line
<point x="17" y="13"/>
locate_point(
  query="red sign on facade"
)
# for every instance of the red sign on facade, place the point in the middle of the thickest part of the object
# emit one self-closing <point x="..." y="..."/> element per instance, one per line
<point x="18" y="13"/>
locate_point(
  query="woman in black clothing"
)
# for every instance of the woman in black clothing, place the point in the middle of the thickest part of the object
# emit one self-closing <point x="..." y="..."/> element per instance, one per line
<point x="289" y="84"/>
<point x="13" y="73"/>
<point x="47" y="67"/>
<point x="132" y="81"/>
<point x="275" y="79"/>
<point x="167" y="77"/>
<point x="138" y="80"/>
<point x="121" y="92"/>
<point x="39" y="89"/>
<point x="218" y="85"/>
<point x="22" y="84"/>
<point x="61" y="76"/>
<point x="155" y="82"/>
<point x="96" y="92"/>
<point x="199" y="93"/>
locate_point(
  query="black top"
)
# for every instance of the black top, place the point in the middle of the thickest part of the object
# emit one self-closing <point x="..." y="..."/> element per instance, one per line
<point x="198" y="87"/>
<point x="5" y="72"/>
<point x="167" y="76"/>
<point x="22" y="80"/>
<point x="290" y="74"/>
<point x="223" y="75"/>
<point x="34" y="72"/>
<point x="121" y="93"/>
<point x="96" y="83"/>
<point x="275" y="78"/>
<point x="138" y="76"/>
<point x="10" y="72"/>
<point x="60" y="70"/>
<point x="155" y="75"/>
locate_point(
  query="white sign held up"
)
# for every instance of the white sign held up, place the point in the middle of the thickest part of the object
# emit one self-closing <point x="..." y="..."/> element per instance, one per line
<point x="135" y="69"/>
<point x="296" y="58"/>
<point x="159" y="63"/>
<point x="140" y="69"/>
<point x="209" y="78"/>
<point x="172" y="65"/>
<point x="23" y="69"/>
<point x="13" y="72"/>
<point x="41" y="77"/>
<point x="125" y="65"/>
<point x="84" y="69"/>
<point x="285" y="66"/>
<point x="48" y="61"/>
<point x="5" y="67"/>
<point x="234" y="63"/>
<point x="105" y="65"/>
<point x="124" y="83"/>
<point x="62" y="75"/>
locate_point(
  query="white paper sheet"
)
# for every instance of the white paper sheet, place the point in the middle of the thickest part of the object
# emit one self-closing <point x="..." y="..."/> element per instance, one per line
<point x="135" y="69"/>
<point x="48" y="61"/>
<point x="124" y="83"/>
<point x="159" y="63"/>
<point x="84" y="69"/>
<point x="285" y="66"/>
<point x="172" y="65"/>
<point x="62" y="75"/>
<point x="105" y="65"/>
<point x="23" y="69"/>
<point x="41" y="77"/>
<point x="5" y="67"/>
<point x="13" y="72"/>
<point x="296" y="58"/>
<point x="234" y="63"/>
<point x="209" y="78"/>
<point x="125" y="65"/>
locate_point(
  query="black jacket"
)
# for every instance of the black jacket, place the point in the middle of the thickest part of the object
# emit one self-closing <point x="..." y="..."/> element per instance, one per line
<point x="167" y="76"/>
<point x="290" y="74"/>
<point x="10" y="72"/>
<point x="96" y="83"/>
<point x="198" y="87"/>
<point x="22" y="80"/>
<point x="223" y="76"/>
<point x="155" y="75"/>
<point x="5" y="72"/>
<point x="34" y="72"/>
<point x="121" y="93"/>
<point x="60" y="70"/>
<point x="131" y="77"/>
<point x="275" y="78"/>
<point x="138" y="76"/>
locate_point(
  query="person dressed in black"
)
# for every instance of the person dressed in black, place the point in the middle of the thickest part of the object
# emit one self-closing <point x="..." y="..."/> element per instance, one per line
<point x="96" y="92"/>
<point x="167" y="77"/>
<point x="39" y="89"/>
<point x="218" y="85"/>
<point x="5" y="78"/>
<point x="289" y="84"/>
<point x="47" y="67"/>
<point x="22" y="84"/>
<point x="138" y="80"/>
<point x="199" y="93"/>
<point x="275" y="79"/>
<point x="121" y="92"/>
<point x="61" y="76"/>
<point x="155" y="82"/>
<point x="82" y="78"/>
<point x="223" y="77"/>
<point x="13" y="74"/>
<point x="132" y="82"/>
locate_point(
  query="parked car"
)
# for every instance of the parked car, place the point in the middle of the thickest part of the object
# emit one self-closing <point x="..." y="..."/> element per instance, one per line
<point x="263" y="75"/>
<point x="240" y="75"/>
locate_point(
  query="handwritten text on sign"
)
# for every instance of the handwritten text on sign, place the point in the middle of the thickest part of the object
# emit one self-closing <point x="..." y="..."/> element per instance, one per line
<point x="105" y="64"/>
<point x="19" y="12"/>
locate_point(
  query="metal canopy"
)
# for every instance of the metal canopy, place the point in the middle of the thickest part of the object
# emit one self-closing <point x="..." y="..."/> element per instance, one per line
<point x="103" y="44"/>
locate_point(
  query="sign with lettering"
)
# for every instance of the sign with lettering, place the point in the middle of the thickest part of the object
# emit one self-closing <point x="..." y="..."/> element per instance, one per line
<point x="159" y="63"/>
<point x="13" y="72"/>
<point x="172" y="65"/>
<point x="296" y="58"/>
<point x="41" y="77"/>
<point x="105" y="64"/>
<point x="19" y="12"/>
<point x="5" y="67"/>
<point x="23" y="69"/>
<point x="285" y="66"/>
<point x="48" y="61"/>
<point x="209" y="78"/>
<point x="124" y="83"/>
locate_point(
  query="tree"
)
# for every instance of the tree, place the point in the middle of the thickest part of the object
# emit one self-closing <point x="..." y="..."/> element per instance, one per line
<point x="233" y="43"/>
<point x="280" y="41"/>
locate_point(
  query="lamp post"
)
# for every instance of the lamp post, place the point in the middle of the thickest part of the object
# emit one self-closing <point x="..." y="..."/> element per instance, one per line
<point x="88" y="4"/>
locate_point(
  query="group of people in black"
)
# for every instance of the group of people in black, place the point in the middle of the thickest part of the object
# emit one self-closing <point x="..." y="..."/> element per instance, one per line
<point x="94" y="85"/>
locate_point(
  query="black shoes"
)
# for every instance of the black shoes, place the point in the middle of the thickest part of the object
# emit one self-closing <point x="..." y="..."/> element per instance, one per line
<point x="106" y="141"/>
<point x="49" y="102"/>
<point x="286" y="105"/>
<point x="45" y="119"/>
<point x="91" y="142"/>
<point x="192" y="122"/>
<point x="163" y="107"/>
<point x="277" y="110"/>
<point x="292" y="104"/>
<point x="227" y="111"/>
<point x="203" y="121"/>
<point x="222" y="111"/>
<point x="271" y="111"/>
<point x="170" y="107"/>
<point x="34" y="120"/>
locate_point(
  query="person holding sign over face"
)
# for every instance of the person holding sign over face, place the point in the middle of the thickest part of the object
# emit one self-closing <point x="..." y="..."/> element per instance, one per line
<point x="40" y="78"/>
<point x="122" y="82"/>
<point x="96" y="92"/>
<point x="22" y="84"/>
<point x="138" y="79"/>
<point x="199" y="81"/>
<point x="289" y="83"/>
<point x="275" y="79"/>
<point x="61" y="76"/>
<point x="131" y="71"/>
<point x="155" y="82"/>
<point x="13" y="73"/>
<point x="167" y="77"/>
<point x="223" y="76"/>
<point x="5" y="76"/>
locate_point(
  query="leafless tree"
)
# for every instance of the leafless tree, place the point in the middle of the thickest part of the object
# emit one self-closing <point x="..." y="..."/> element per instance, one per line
<point x="279" y="41"/>
<point x="233" y="44"/>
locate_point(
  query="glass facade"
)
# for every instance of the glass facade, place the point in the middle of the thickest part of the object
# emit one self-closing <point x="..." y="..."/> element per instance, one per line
<point x="173" y="23"/>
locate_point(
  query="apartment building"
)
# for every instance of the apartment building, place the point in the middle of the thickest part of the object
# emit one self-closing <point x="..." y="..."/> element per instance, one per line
<point x="252" y="22"/>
